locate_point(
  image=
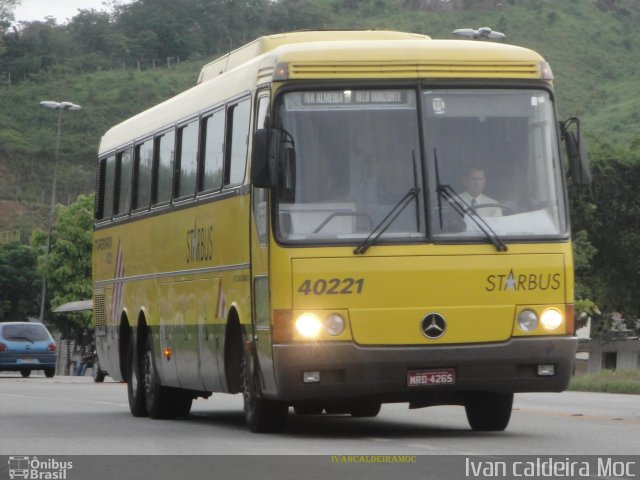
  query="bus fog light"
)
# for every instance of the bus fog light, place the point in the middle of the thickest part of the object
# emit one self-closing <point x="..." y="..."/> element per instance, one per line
<point x="334" y="324"/>
<point x="551" y="319"/>
<point x="527" y="320"/>
<point x="308" y="325"/>
<point x="546" y="370"/>
<point x="311" y="377"/>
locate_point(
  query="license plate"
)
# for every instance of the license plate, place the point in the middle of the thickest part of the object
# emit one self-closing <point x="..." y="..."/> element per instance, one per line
<point x="28" y="361"/>
<point x="428" y="378"/>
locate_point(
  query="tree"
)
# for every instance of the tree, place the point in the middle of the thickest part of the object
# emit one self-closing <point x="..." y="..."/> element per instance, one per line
<point x="20" y="282"/>
<point x="6" y="16"/>
<point x="68" y="267"/>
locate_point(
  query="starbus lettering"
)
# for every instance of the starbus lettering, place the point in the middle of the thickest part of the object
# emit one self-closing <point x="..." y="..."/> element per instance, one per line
<point x="199" y="244"/>
<point x="104" y="243"/>
<point x="522" y="282"/>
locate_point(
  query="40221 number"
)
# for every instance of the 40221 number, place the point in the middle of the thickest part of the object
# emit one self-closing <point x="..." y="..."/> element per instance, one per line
<point x="332" y="286"/>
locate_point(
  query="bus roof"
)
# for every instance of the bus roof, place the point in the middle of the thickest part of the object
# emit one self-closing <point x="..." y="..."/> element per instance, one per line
<point x="330" y="55"/>
<point x="267" y="43"/>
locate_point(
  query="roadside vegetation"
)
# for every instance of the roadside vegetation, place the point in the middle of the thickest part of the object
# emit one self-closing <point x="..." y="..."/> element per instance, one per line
<point x="608" y="381"/>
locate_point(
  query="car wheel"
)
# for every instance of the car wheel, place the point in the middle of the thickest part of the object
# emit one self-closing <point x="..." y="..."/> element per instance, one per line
<point x="25" y="373"/>
<point x="135" y="385"/>
<point x="49" y="372"/>
<point x="488" y="412"/>
<point x="162" y="402"/>
<point x="262" y="415"/>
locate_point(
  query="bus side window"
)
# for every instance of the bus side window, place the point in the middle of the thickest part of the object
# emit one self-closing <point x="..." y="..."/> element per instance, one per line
<point x="187" y="161"/>
<point x="143" y="163"/>
<point x="124" y="173"/>
<point x="163" y="167"/>
<point x="107" y="168"/>
<point x="238" y="117"/>
<point x="212" y="151"/>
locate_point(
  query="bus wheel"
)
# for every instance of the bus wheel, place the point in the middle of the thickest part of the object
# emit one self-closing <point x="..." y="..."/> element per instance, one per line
<point x="262" y="415"/>
<point x="366" y="410"/>
<point x="49" y="372"/>
<point x="98" y="375"/>
<point x="488" y="412"/>
<point x="161" y="402"/>
<point x="135" y="387"/>
<point x="25" y="373"/>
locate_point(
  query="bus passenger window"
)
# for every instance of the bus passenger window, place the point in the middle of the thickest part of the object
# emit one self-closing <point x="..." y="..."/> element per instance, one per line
<point x="163" y="180"/>
<point x="238" y="135"/>
<point x="213" y="151"/>
<point x="105" y="199"/>
<point x="187" y="160"/>
<point x="124" y="173"/>
<point x="142" y="176"/>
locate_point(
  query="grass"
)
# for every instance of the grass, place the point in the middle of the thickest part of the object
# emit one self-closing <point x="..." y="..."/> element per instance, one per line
<point x="608" y="381"/>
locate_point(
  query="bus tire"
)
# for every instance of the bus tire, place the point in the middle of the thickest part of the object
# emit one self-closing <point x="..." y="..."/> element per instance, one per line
<point x="366" y="410"/>
<point x="262" y="415"/>
<point x="97" y="374"/>
<point x="161" y="402"/>
<point x="488" y="412"/>
<point x="49" y="372"/>
<point x="135" y="385"/>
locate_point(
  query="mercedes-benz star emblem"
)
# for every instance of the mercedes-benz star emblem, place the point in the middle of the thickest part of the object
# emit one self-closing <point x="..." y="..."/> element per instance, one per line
<point x="433" y="325"/>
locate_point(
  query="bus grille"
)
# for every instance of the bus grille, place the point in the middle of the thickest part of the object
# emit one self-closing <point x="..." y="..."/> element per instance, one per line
<point x="98" y="309"/>
<point x="413" y="70"/>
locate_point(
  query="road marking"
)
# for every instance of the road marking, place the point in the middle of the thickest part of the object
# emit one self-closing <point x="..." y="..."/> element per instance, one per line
<point x="579" y="416"/>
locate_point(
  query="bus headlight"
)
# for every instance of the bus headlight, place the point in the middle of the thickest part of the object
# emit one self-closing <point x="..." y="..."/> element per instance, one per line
<point x="308" y="325"/>
<point x="527" y="320"/>
<point x="334" y="324"/>
<point x="551" y="319"/>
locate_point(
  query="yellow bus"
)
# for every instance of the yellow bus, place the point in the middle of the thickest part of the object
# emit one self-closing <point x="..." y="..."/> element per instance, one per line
<point x="329" y="221"/>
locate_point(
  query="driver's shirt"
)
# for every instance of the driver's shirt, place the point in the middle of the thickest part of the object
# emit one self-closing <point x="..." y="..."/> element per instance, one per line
<point x="489" y="211"/>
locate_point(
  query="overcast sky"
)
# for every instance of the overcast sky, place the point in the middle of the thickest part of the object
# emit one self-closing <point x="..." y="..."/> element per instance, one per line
<point x="62" y="10"/>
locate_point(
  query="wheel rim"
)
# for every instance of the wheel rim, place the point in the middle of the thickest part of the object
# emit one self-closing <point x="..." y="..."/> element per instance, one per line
<point x="148" y="375"/>
<point x="249" y="388"/>
<point x="134" y="376"/>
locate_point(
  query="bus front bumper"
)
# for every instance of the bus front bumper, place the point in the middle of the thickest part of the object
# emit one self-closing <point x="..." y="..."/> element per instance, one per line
<point x="379" y="373"/>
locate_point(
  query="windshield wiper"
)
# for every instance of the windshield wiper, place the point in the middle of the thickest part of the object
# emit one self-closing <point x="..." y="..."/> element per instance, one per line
<point x="462" y="208"/>
<point x="387" y="221"/>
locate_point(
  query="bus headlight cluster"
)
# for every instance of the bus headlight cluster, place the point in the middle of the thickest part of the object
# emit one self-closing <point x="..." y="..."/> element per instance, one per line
<point x="550" y="320"/>
<point x="527" y="320"/>
<point x="310" y="326"/>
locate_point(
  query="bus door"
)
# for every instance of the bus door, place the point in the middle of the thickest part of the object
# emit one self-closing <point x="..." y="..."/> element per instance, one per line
<point x="260" y="267"/>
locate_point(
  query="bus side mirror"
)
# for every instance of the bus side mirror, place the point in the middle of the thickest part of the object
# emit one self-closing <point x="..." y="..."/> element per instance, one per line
<point x="576" y="148"/>
<point x="261" y="176"/>
<point x="287" y="175"/>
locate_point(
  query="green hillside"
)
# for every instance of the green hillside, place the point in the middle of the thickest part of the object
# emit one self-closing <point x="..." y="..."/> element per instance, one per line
<point x="115" y="65"/>
<point x="593" y="48"/>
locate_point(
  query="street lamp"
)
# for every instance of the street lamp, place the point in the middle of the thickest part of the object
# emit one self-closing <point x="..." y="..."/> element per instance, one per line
<point x="61" y="107"/>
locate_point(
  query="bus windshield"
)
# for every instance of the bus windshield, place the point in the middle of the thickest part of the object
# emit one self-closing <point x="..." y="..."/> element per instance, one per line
<point x="351" y="164"/>
<point x="496" y="152"/>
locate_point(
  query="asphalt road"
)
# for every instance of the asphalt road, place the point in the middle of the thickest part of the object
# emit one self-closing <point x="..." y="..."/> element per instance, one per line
<point x="74" y="416"/>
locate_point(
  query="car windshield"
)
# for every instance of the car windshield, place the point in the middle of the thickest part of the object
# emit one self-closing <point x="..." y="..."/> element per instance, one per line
<point x="30" y="332"/>
<point x="351" y="166"/>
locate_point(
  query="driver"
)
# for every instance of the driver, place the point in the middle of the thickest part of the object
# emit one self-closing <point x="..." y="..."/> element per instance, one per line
<point x="475" y="181"/>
